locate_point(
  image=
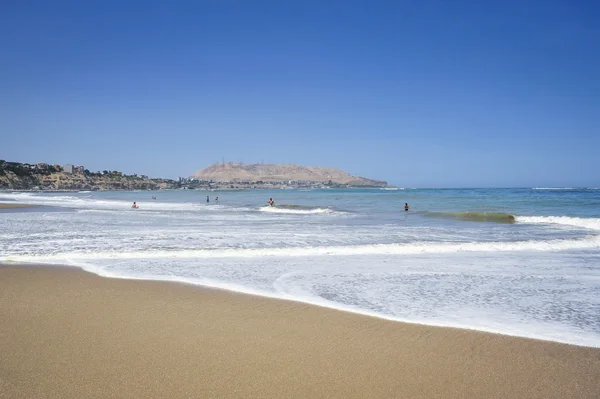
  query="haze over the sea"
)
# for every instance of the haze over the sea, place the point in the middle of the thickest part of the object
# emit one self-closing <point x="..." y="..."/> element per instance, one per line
<point x="435" y="94"/>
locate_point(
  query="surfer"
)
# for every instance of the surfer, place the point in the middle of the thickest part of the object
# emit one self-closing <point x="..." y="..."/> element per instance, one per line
<point x="134" y="206"/>
<point x="406" y="206"/>
<point x="271" y="202"/>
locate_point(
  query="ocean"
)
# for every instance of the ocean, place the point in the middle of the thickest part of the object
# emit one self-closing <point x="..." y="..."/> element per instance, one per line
<point x="522" y="262"/>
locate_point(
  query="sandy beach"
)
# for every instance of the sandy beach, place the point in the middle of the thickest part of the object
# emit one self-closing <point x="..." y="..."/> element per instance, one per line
<point x="66" y="333"/>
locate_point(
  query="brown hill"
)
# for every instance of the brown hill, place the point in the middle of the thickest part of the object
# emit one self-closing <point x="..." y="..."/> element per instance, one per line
<point x="238" y="172"/>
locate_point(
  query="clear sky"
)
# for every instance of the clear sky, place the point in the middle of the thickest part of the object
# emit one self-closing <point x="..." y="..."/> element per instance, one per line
<point x="419" y="93"/>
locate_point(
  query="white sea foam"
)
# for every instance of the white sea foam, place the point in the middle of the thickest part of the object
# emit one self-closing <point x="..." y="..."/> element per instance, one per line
<point x="376" y="249"/>
<point x="587" y="223"/>
<point x="291" y="211"/>
<point x="84" y="202"/>
<point x="293" y="292"/>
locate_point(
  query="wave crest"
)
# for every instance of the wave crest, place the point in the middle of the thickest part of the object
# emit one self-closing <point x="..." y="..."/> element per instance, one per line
<point x="586" y="223"/>
<point x="295" y="209"/>
<point x="475" y="216"/>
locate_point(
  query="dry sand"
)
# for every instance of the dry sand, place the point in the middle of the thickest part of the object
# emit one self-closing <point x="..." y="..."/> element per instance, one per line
<point x="65" y="333"/>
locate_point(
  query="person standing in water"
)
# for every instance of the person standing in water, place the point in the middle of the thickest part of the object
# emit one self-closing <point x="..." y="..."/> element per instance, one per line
<point x="216" y="199"/>
<point x="271" y="202"/>
<point x="134" y="206"/>
<point x="207" y="200"/>
<point x="406" y="206"/>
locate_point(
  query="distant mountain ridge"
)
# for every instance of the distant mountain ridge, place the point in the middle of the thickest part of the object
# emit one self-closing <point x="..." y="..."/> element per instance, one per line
<point x="239" y="172"/>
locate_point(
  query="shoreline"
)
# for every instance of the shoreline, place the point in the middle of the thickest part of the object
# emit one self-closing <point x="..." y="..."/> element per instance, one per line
<point x="331" y="307"/>
<point x="4" y="205"/>
<point x="71" y="333"/>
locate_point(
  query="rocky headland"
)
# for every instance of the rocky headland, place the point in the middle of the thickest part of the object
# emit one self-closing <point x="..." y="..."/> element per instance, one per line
<point x="290" y="175"/>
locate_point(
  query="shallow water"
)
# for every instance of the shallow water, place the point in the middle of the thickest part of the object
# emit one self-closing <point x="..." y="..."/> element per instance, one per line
<point x="457" y="258"/>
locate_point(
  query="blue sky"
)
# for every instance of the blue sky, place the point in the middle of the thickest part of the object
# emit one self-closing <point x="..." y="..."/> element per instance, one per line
<point x="421" y="94"/>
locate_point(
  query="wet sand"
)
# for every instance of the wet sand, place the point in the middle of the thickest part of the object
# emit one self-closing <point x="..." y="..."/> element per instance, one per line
<point x="15" y="205"/>
<point x="65" y="333"/>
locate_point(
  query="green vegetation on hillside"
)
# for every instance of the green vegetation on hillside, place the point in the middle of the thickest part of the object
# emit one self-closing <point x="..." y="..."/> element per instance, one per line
<point x="23" y="176"/>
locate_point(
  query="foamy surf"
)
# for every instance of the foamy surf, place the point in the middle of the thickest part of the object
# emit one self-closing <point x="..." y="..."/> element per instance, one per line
<point x="294" y="210"/>
<point x="281" y="291"/>
<point x="535" y="277"/>
<point x="378" y="249"/>
<point x="87" y="204"/>
<point x="587" y="223"/>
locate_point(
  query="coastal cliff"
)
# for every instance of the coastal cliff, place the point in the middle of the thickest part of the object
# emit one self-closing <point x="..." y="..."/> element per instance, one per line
<point x="18" y="176"/>
<point x="238" y="172"/>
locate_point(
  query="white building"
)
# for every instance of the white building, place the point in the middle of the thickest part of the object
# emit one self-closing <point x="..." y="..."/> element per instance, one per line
<point x="68" y="168"/>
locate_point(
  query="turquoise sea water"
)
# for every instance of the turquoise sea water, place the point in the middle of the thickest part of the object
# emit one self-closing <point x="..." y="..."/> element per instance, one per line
<point x="522" y="262"/>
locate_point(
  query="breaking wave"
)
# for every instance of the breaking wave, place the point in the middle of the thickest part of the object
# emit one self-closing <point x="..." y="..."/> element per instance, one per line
<point x="475" y="216"/>
<point x="351" y="250"/>
<point x="295" y="209"/>
<point x="586" y="223"/>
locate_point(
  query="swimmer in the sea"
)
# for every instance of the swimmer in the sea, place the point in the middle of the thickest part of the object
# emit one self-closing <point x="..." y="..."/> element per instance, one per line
<point x="134" y="206"/>
<point x="406" y="206"/>
<point x="271" y="202"/>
